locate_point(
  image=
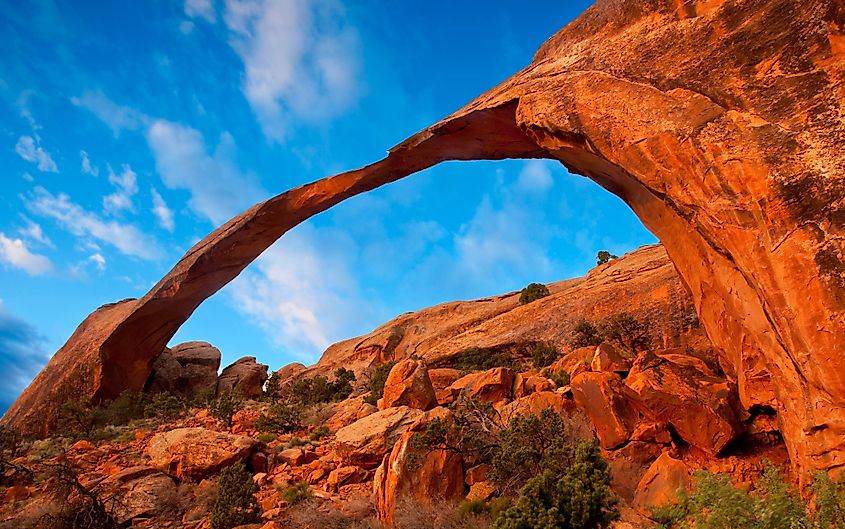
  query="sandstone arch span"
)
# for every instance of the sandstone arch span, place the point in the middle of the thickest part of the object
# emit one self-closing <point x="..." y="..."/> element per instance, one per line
<point x="720" y="123"/>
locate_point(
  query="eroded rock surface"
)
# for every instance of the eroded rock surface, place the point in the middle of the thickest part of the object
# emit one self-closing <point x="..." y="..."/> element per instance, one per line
<point x="195" y="453"/>
<point x="185" y="369"/>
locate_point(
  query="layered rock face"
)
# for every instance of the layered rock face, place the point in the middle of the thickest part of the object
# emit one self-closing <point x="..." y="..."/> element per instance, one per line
<point x="186" y="369"/>
<point x="718" y="123"/>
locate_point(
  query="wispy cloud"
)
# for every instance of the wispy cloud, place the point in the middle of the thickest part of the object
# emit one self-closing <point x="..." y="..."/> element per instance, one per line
<point x="163" y="214"/>
<point x="15" y="253"/>
<point x="535" y="177"/>
<point x="30" y="149"/>
<point x="126" y="183"/>
<point x="201" y="8"/>
<point x="302" y="292"/>
<point x="33" y="231"/>
<point x="87" y="167"/>
<point x="127" y="238"/>
<point x="300" y="60"/>
<point x="22" y="355"/>
<point x="117" y="117"/>
<point x="219" y="188"/>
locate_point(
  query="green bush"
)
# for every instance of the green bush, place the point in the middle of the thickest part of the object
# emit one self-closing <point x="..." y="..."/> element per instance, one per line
<point x="472" y="431"/>
<point x="280" y="418"/>
<point x="266" y="437"/>
<point x="294" y="442"/>
<point x="320" y="432"/>
<point x="544" y="354"/>
<point x="225" y="406"/>
<point x="319" y="389"/>
<point x="605" y="257"/>
<point x="297" y="493"/>
<point x="530" y="445"/>
<point x="533" y="292"/>
<point x="482" y="359"/>
<point x="716" y="503"/>
<point x="626" y="331"/>
<point x="377" y="380"/>
<point x="585" y="334"/>
<point x="471" y="507"/>
<point x="163" y="406"/>
<point x="576" y="496"/>
<point x="236" y="504"/>
<point x="560" y="379"/>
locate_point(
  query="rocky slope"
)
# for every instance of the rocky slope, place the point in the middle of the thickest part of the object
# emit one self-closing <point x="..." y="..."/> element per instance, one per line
<point x="718" y="122"/>
<point x="659" y="413"/>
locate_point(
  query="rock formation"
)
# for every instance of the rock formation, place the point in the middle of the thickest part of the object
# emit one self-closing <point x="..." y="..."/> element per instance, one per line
<point x="186" y="370"/>
<point x="246" y="376"/>
<point x="718" y="123"/>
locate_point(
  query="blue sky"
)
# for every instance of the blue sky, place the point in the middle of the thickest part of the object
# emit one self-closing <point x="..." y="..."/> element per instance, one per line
<point x="129" y="130"/>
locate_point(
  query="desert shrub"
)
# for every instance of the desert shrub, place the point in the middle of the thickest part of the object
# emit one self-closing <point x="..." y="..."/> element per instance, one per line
<point x="123" y="409"/>
<point x="280" y="418"/>
<point x="497" y="506"/>
<point x="533" y="292"/>
<point x="163" y="406"/>
<point x="574" y="496"/>
<point x="294" y="442"/>
<point x="560" y="378"/>
<point x="482" y="359"/>
<point x="471" y="507"/>
<point x="236" y="504"/>
<point x="585" y="334"/>
<point x="319" y="389"/>
<point x="605" y="257"/>
<point x="437" y="515"/>
<point x="377" y="380"/>
<point x="320" y="432"/>
<point x="272" y="389"/>
<point x="266" y="437"/>
<point x="12" y="445"/>
<point x="530" y="445"/>
<point x="297" y="493"/>
<point x="626" y="331"/>
<point x="78" y="506"/>
<point x="716" y="503"/>
<point x="472" y="431"/>
<point x="225" y="406"/>
<point x="544" y="354"/>
<point x="203" y="398"/>
<point x="77" y="418"/>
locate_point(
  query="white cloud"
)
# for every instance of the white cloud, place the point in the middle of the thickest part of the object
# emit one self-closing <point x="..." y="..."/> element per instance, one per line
<point x="303" y="293"/>
<point x="87" y="168"/>
<point x="201" y="8"/>
<point x="127" y="238"/>
<point x="99" y="261"/>
<point x="300" y="60"/>
<point x="535" y="177"/>
<point x="127" y="186"/>
<point x="34" y="232"/>
<point x="28" y="177"/>
<point x="14" y="252"/>
<point x="219" y="189"/>
<point x="30" y="150"/>
<point x="162" y="212"/>
<point x="117" y="117"/>
<point x="186" y="27"/>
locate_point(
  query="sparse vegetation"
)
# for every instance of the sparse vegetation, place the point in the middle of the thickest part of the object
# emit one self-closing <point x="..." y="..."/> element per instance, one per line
<point x="280" y="418"/>
<point x="560" y="378"/>
<point x="716" y="503"/>
<point x="77" y="506"/>
<point x="605" y="257"/>
<point x="585" y="334"/>
<point x="621" y="329"/>
<point x="533" y="292"/>
<point x="236" y="504"/>
<point x="82" y="419"/>
<point x="482" y="359"/>
<point x="572" y="491"/>
<point x="320" y="432"/>
<point x="297" y="493"/>
<point x="377" y="380"/>
<point x="544" y="354"/>
<point x="225" y="406"/>
<point x="163" y="406"/>
<point x="319" y="389"/>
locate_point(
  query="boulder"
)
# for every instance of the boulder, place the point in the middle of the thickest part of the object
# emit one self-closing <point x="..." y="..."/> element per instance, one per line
<point x="408" y="384"/>
<point x="348" y="411"/>
<point x="287" y="373"/>
<point x="185" y="369"/>
<point x="527" y="383"/>
<point x="701" y="408"/>
<point x="441" y="378"/>
<point x="535" y="403"/>
<point x="661" y="483"/>
<point x="426" y="476"/>
<point x="493" y="386"/>
<point x="143" y="491"/>
<point x="245" y="375"/>
<point x="365" y="442"/>
<point x="604" y="399"/>
<point x="194" y="453"/>
<point x="609" y="358"/>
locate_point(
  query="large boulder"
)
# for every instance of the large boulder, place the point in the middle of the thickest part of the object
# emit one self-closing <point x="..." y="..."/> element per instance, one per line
<point x="426" y="476"/>
<point x="610" y="358"/>
<point x="701" y="408"/>
<point x="348" y="411"/>
<point x="143" y="491"/>
<point x="607" y="404"/>
<point x="493" y="386"/>
<point x="661" y="483"/>
<point x="185" y="369"/>
<point x="365" y="442"/>
<point x="408" y="384"/>
<point x="246" y="375"/>
<point x="195" y="453"/>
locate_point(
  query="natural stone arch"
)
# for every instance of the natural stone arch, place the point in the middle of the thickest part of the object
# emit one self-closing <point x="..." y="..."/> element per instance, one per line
<point x="718" y="123"/>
